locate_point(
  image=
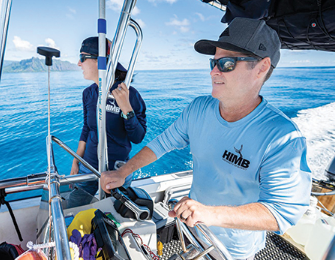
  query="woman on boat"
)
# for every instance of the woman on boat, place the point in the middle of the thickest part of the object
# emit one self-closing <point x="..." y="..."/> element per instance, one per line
<point x="125" y="121"/>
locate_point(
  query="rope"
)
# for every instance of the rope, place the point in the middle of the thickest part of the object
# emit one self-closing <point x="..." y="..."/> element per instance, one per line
<point x="147" y="248"/>
<point x="74" y="246"/>
<point x="4" y="202"/>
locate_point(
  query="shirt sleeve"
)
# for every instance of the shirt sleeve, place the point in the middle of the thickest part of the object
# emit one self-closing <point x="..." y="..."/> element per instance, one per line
<point x="85" y="131"/>
<point x="174" y="137"/>
<point x="136" y="126"/>
<point x="285" y="181"/>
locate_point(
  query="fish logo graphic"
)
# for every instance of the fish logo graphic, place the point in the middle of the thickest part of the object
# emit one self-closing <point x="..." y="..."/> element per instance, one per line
<point x="239" y="150"/>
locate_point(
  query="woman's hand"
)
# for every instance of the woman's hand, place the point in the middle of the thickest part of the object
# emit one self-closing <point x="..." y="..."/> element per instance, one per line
<point x="121" y="95"/>
<point x="75" y="168"/>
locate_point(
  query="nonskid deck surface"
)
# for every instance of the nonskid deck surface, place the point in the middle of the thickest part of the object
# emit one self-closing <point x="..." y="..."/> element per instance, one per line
<point x="170" y="248"/>
<point x="276" y="248"/>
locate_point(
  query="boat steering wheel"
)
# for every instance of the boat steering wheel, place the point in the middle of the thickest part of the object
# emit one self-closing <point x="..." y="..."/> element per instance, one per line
<point x="195" y="250"/>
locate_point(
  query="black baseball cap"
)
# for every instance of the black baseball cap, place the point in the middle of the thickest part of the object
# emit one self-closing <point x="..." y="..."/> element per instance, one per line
<point x="250" y="36"/>
<point x="91" y="46"/>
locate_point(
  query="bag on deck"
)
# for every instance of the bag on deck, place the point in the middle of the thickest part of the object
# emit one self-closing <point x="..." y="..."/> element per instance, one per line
<point x="10" y="252"/>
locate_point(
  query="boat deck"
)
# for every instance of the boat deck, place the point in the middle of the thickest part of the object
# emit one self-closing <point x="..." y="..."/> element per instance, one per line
<point x="277" y="248"/>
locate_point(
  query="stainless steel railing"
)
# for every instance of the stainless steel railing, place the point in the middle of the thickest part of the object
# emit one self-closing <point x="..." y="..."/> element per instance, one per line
<point x="115" y="51"/>
<point x="6" y="6"/>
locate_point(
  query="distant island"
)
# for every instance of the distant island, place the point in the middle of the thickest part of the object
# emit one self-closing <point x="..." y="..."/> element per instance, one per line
<point x="37" y="65"/>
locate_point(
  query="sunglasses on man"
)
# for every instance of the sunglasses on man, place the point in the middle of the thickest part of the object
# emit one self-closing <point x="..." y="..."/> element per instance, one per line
<point x="84" y="57"/>
<point x="227" y="64"/>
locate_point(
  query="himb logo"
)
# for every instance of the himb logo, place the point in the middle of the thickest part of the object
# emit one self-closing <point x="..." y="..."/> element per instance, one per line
<point x="112" y="107"/>
<point x="236" y="160"/>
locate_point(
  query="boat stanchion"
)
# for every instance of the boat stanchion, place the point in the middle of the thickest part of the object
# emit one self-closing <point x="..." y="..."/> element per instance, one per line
<point x="55" y="207"/>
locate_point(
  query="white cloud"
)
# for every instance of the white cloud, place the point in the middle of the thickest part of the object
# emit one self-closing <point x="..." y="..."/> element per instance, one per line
<point x="51" y="43"/>
<point x="176" y="22"/>
<point x="116" y="5"/>
<point x="183" y="25"/>
<point x="202" y="18"/>
<point x="71" y="13"/>
<point x="141" y="23"/>
<point x="22" y="45"/>
<point x="168" y="1"/>
<point x="184" y="29"/>
<point x="300" y="61"/>
<point x="72" y="10"/>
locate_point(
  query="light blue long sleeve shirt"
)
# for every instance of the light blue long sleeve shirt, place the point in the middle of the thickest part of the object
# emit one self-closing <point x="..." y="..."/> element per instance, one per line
<point x="259" y="158"/>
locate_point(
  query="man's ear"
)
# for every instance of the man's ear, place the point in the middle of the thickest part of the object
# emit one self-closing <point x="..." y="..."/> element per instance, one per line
<point x="263" y="67"/>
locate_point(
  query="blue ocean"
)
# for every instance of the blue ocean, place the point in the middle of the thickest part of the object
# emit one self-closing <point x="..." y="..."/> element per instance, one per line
<point x="307" y="95"/>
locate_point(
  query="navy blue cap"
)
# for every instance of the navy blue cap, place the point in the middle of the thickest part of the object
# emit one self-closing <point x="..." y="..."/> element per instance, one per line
<point x="91" y="46"/>
<point x="120" y="67"/>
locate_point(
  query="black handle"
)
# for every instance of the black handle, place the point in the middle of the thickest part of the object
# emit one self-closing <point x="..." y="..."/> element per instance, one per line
<point x="48" y="53"/>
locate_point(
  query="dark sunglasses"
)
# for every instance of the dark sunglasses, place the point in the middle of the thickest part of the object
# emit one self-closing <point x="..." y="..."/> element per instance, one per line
<point x="84" y="57"/>
<point x="227" y="64"/>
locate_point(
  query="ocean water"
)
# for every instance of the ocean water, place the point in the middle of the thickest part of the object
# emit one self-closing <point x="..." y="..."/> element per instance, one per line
<point x="307" y="95"/>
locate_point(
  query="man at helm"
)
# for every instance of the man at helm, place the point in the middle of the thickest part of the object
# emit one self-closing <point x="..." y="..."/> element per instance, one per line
<point x="249" y="160"/>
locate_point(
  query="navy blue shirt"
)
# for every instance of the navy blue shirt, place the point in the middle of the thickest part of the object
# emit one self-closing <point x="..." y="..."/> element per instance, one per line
<point x="120" y="132"/>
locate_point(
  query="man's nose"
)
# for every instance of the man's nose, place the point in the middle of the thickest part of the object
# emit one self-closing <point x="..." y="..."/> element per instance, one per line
<point x="215" y="71"/>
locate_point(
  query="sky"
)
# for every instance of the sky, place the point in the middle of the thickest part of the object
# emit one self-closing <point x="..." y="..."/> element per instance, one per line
<point x="170" y="29"/>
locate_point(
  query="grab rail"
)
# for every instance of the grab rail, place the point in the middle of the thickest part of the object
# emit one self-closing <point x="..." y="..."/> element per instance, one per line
<point x="6" y="7"/>
<point x="60" y="232"/>
<point x="115" y="51"/>
<point x="35" y="183"/>
<point x="75" y="155"/>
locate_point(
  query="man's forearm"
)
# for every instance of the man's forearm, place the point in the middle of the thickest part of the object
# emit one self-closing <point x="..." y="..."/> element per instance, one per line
<point x="141" y="159"/>
<point x="254" y="216"/>
<point x="114" y="179"/>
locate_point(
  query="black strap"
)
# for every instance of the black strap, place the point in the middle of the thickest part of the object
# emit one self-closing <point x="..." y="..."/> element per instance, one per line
<point x="4" y="202"/>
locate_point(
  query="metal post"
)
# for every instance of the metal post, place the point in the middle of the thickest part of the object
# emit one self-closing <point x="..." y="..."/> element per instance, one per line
<point x="59" y="226"/>
<point x="101" y="106"/>
<point x="115" y="51"/>
<point x="5" y="23"/>
<point x="55" y="206"/>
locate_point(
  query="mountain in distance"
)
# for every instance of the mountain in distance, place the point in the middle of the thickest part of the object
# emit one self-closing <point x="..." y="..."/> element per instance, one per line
<point x="37" y="65"/>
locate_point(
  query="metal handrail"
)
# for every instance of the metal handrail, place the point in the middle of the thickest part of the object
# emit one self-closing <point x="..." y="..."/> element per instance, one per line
<point x="21" y="184"/>
<point x="134" y="56"/>
<point x="4" y="31"/>
<point x="29" y="180"/>
<point x="75" y="155"/>
<point x="38" y="181"/>
<point x="118" y="40"/>
<point x="115" y="51"/>
<point x="136" y="50"/>
<point x="60" y="231"/>
<point x="208" y="234"/>
<point x="323" y="193"/>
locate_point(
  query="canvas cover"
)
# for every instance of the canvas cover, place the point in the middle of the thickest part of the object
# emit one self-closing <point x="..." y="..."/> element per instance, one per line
<point x="300" y="24"/>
